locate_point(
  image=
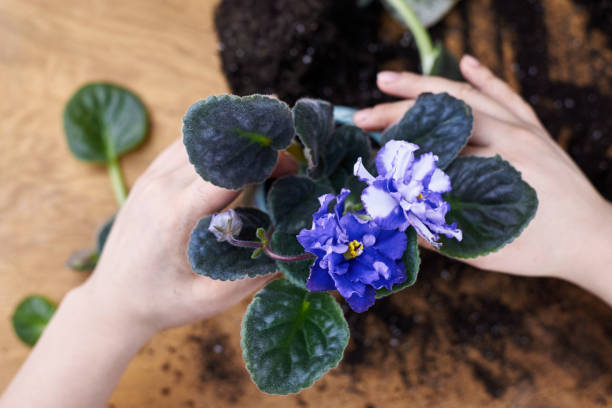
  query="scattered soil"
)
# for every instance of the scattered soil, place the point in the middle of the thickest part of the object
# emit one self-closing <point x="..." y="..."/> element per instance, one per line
<point x="222" y="368"/>
<point x="507" y="332"/>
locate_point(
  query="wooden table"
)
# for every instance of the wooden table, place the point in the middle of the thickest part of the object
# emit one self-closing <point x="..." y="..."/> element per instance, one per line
<point x="50" y="204"/>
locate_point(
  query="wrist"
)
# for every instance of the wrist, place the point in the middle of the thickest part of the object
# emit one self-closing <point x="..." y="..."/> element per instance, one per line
<point x="591" y="266"/>
<point x="102" y="315"/>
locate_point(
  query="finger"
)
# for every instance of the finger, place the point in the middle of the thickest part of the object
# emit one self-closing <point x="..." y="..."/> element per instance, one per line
<point x="202" y="198"/>
<point x="285" y="165"/>
<point x="476" y="151"/>
<point x="381" y="116"/>
<point x="409" y="85"/>
<point x="384" y="115"/>
<point x="171" y="157"/>
<point x="483" y="79"/>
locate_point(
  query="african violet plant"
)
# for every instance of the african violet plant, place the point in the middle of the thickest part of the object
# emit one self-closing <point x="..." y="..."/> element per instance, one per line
<point x="348" y="222"/>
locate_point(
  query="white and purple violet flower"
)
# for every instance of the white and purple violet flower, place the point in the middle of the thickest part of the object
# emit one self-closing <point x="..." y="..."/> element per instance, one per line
<point x="407" y="191"/>
<point x="357" y="256"/>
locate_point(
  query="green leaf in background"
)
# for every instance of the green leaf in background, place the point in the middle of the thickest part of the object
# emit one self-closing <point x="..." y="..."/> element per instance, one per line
<point x="223" y="261"/>
<point x="429" y="12"/>
<point x="412" y="261"/>
<point x="291" y="337"/>
<point x="103" y="233"/>
<point x="445" y="64"/>
<point x="233" y="141"/>
<point x="103" y="121"/>
<point x="314" y="123"/>
<point x="292" y="200"/>
<point x="87" y="259"/>
<point x="31" y="317"/>
<point x="83" y="260"/>
<point x="437" y="123"/>
<point x="490" y="203"/>
<point x="287" y="244"/>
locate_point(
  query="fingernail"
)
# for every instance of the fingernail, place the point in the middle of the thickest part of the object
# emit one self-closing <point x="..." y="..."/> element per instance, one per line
<point x="362" y="115"/>
<point x="471" y="61"/>
<point x="387" y="76"/>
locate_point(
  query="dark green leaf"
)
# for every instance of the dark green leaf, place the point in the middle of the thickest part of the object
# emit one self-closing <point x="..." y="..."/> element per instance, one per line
<point x="437" y="123"/>
<point x="223" y="261"/>
<point x="233" y="141"/>
<point x="31" y="318"/>
<point x="348" y="143"/>
<point x="429" y="12"/>
<point x="412" y="261"/>
<point x="102" y="234"/>
<point x="103" y="121"/>
<point x="344" y="115"/>
<point x="287" y="244"/>
<point x="291" y="337"/>
<point x="490" y="203"/>
<point x="445" y="64"/>
<point x="292" y="200"/>
<point x="314" y="122"/>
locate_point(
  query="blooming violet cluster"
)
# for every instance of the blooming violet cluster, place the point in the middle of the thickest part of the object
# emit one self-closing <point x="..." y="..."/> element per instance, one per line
<point x="360" y="253"/>
<point x="355" y="256"/>
<point x="407" y="192"/>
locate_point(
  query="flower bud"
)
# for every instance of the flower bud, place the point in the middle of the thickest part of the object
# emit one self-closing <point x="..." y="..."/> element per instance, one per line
<point x="225" y="225"/>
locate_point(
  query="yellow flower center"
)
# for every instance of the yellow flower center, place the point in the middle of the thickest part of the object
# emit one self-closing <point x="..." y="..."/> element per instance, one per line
<point x="355" y="248"/>
<point x="421" y="196"/>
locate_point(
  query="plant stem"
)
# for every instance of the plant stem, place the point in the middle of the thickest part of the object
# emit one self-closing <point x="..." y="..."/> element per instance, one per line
<point x="419" y="32"/>
<point x="114" y="170"/>
<point x="269" y="252"/>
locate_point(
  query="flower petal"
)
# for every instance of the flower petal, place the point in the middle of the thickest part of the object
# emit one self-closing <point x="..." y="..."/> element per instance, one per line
<point x="424" y="166"/>
<point x="324" y="200"/>
<point x="422" y="230"/>
<point x="439" y="182"/>
<point x="362" y="173"/>
<point x="383" y="208"/>
<point x="391" y="243"/>
<point x="362" y="303"/>
<point x="397" y="275"/>
<point x="319" y="279"/>
<point x="339" y="207"/>
<point x="395" y="157"/>
<point x="451" y="231"/>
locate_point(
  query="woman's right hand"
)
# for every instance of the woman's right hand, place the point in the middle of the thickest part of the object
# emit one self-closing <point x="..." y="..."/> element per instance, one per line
<point x="571" y="234"/>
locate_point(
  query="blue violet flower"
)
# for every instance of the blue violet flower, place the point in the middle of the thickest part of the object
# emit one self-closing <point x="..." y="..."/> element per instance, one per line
<point x="407" y="191"/>
<point x="353" y="255"/>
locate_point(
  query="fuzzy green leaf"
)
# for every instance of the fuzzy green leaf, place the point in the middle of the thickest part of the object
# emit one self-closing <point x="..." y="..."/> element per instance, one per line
<point x="437" y="123"/>
<point x="348" y="143"/>
<point x="291" y="337"/>
<point x="490" y="203"/>
<point x="223" y="261"/>
<point x="103" y="121"/>
<point x="233" y="141"/>
<point x="314" y="122"/>
<point x="412" y="261"/>
<point x="292" y="200"/>
<point x="31" y="317"/>
<point x="287" y="244"/>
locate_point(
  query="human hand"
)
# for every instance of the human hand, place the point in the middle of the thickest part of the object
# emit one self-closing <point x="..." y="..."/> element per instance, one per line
<point x="571" y="234"/>
<point x="144" y="278"/>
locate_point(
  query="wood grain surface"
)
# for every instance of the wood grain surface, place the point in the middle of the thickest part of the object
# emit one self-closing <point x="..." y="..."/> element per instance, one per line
<point x="166" y="52"/>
